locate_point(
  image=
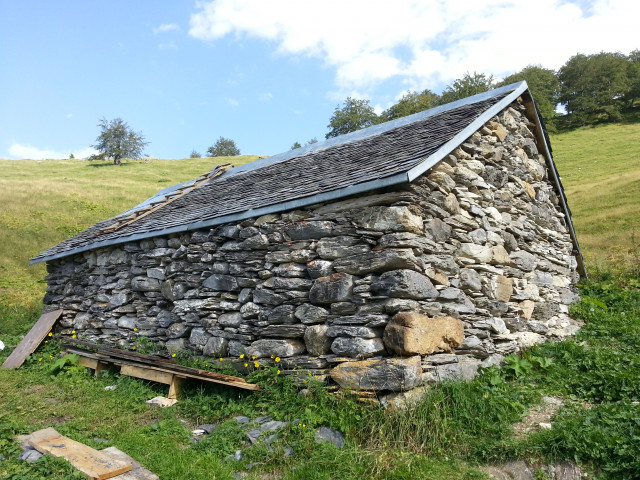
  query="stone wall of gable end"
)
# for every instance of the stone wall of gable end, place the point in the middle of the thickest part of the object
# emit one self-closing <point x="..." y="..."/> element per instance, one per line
<point x="386" y="291"/>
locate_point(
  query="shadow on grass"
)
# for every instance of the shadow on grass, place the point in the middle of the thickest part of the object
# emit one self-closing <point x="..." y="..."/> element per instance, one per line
<point x="105" y="164"/>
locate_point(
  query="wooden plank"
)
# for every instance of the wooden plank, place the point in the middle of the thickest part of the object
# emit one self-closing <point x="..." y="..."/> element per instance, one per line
<point x="174" y="387"/>
<point x="147" y="374"/>
<point x="32" y="340"/>
<point x="113" y="355"/>
<point x="97" y="465"/>
<point x="138" y="472"/>
<point x="96" y="364"/>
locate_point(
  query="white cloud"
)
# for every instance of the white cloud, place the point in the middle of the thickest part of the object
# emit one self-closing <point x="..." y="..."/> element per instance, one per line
<point x="232" y="102"/>
<point x="69" y="115"/>
<point x="23" y="152"/>
<point x="166" y="27"/>
<point x="265" y="97"/>
<point x="425" y="42"/>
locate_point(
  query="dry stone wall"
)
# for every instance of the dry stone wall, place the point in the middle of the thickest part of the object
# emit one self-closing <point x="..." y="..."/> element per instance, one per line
<point x="386" y="291"/>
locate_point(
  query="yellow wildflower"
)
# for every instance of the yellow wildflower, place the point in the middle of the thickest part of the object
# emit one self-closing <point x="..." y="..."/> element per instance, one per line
<point x="51" y="334"/>
<point x="278" y="372"/>
<point x="271" y="356"/>
<point x="277" y="359"/>
<point x="256" y="364"/>
<point x="220" y="358"/>
<point x="254" y="357"/>
<point x="40" y="359"/>
<point x="242" y="356"/>
<point x="73" y="336"/>
<point x="173" y="355"/>
<point x="46" y="341"/>
<point x="133" y="348"/>
<point x="246" y="364"/>
<point x="135" y="329"/>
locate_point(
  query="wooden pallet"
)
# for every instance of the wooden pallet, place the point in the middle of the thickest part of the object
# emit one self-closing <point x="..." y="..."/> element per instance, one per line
<point x="147" y="367"/>
<point x="32" y="340"/>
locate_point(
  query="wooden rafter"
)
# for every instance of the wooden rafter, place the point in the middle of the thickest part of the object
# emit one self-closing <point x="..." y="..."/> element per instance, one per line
<point x="169" y="198"/>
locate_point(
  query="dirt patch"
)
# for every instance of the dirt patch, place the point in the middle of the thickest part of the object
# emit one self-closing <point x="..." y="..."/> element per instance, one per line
<point x="538" y="418"/>
<point x="57" y="420"/>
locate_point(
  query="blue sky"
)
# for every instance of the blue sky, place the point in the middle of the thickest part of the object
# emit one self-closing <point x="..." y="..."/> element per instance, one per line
<point x="265" y="73"/>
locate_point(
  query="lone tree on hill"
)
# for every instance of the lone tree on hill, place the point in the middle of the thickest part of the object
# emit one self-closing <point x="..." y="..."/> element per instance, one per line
<point x="224" y="147"/>
<point x="117" y="141"/>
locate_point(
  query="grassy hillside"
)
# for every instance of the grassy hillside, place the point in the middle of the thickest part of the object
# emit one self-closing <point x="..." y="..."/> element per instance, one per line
<point x="600" y="171"/>
<point x="45" y="202"/>
<point x="457" y="426"/>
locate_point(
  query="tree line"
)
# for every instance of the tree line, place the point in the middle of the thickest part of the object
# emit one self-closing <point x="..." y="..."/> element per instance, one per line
<point x="591" y="88"/>
<point x="597" y="88"/>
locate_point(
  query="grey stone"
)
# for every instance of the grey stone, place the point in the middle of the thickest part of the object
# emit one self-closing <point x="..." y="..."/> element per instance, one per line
<point x="166" y="318"/>
<point x="127" y="322"/>
<point x="280" y="348"/>
<point x="82" y="321"/>
<point x="470" y="280"/>
<point x="267" y="297"/>
<point x="199" y="337"/>
<point x="145" y="284"/>
<point x="377" y="261"/>
<point x="404" y="284"/>
<point x="279" y="283"/>
<point x="233" y="319"/>
<point x="357" y="347"/>
<point x="176" y="345"/>
<point x="284" y="331"/>
<point x="225" y="283"/>
<point x="523" y="260"/>
<point x="178" y="330"/>
<point x="310" y="314"/>
<point x="118" y="299"/>
<point x="396" y="374"/>
<point x="30" y="455"/>
<point x="216" y="347"/>
<point x="439" y="230"/>
<point x="242" y="419"/>
<point x="319" y="268"/>
<point x="334" y="288"/>
<point x="157" y="273"/>
<point x="316" y="340"/>
<point x="326" y="434"/>
<point x="352" y="331"/>
<point x="281" y="314"/>
<point x="310" y="230"/>
<point x="385" y="219"/>
<point x="208" y="428"/>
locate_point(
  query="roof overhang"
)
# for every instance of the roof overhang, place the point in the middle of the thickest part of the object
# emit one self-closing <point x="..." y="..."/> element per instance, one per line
<point x="512" y="92"/>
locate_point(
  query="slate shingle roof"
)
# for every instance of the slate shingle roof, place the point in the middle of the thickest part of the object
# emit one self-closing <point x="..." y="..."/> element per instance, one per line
<point x="336" y="167"/>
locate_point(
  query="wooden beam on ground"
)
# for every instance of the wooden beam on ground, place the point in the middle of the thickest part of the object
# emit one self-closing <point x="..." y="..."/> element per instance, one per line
<point x="122" y="358"/>
<point x="95" y="464"/>
<point x="119" y="357"/>
<point x="138" y="472"/>
<point x="32" y="340"/>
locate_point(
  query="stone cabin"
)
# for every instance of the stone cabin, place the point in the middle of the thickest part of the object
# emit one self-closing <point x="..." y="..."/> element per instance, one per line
<point x="401" y="254"/>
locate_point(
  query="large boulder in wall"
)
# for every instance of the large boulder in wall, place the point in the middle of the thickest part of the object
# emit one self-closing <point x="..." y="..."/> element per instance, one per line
<point x="396" y="374"/>
<point x="410" y="333"/>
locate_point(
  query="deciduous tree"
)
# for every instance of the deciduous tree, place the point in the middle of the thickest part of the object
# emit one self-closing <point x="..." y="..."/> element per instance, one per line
<point x="224" y="147"/>
<point x="354" y="115"/>
<point x="411" y="102"/>
<point x="118" y="141"/>
<point x="469" y="84"/>
<point x="544" y="86"/>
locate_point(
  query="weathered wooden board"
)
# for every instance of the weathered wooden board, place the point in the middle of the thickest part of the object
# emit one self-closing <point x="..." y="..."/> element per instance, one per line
<point x="95" y="464"/>
<point x="32" y="340"/>
<point x="121" y="357"/>
<point x="138" y="472"/>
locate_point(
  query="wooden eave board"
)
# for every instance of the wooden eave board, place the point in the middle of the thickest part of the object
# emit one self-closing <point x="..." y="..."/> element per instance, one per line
<point x="32" y="340"/>
<point x="95" y="464"/>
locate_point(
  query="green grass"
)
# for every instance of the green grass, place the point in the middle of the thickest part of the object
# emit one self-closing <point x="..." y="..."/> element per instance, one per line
<point x="46" y="202"/>
<point x="457" y="426"/>
<point x="600" y="171"/>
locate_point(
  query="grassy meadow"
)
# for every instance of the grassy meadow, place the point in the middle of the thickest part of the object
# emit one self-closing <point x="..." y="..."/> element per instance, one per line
<point x="600" y="171"/>
<point x="456" y="429"/>
<point x="45" y="202"/>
